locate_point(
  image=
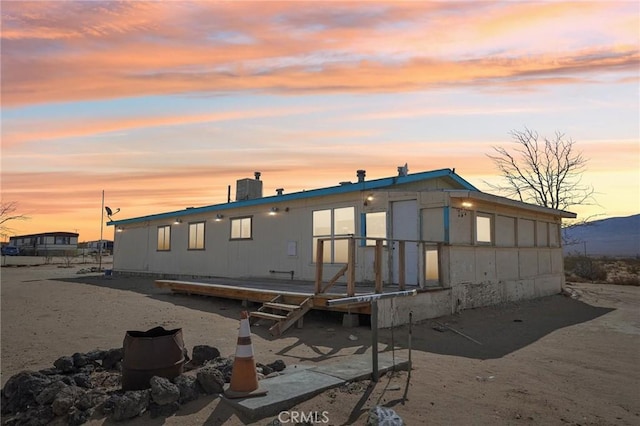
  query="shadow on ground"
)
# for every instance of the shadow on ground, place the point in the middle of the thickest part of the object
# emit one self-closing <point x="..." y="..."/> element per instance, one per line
<point x="319" y="327"/>
<point x="482" y="333"/>
<point x="493" y="332"/>
<point x="146" y="286"/>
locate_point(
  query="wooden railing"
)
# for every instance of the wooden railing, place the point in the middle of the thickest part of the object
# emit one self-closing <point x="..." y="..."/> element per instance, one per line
<point x="349" y="268"/>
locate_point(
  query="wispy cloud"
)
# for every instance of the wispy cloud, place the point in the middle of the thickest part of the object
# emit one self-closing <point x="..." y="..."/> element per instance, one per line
<point x="52" y="54"/>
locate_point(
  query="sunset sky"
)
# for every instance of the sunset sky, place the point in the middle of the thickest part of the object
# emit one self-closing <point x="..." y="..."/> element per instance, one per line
<point x="164" y="104"/>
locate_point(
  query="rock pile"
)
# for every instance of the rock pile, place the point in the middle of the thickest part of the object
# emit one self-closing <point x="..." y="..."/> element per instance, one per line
<point x="80" y="386"/>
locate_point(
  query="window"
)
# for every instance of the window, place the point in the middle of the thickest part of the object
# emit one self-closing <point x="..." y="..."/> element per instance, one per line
<point x="196" y="236"/>
<point x="483" y="229"/>
<point x="241" y="228"/>
<point x="164" y="238"/>
<point x="333" y="223"/>
<point x="62" y="240"/>
<point x="375" y="226"/>
<point x="431" y="265"/>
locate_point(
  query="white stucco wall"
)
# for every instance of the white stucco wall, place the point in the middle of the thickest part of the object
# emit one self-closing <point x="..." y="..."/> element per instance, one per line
<point x="523" y="260"/>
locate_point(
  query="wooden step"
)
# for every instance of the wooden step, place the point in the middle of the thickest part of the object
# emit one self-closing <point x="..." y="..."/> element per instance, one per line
<point x="281" y="306"/>
<point x="266" y="315"/>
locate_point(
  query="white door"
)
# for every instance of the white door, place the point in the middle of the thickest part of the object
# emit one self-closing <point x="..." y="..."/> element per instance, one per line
<point x="405" y="227"/>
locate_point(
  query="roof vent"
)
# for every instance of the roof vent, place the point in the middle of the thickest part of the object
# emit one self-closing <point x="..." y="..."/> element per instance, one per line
<point x="345" y="182"/>
<point x="257" y="175"/>
<point x="361" y="174"/>
<point x="279" y="191"/>
<point x="403" y="170"/>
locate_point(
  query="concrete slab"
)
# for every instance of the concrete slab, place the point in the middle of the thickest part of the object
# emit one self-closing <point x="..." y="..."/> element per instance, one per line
<point x="300" y="383"/>
<point x="283" y="392"/>
<point x="359" y="367"/>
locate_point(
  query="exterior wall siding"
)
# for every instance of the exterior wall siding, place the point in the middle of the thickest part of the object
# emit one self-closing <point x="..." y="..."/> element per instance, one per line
<point x="522" y="261"/>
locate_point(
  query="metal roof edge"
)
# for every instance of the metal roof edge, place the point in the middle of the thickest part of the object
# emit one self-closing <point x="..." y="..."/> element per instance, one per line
<point x="319" y="192"/>
<point x="508" y="201"/>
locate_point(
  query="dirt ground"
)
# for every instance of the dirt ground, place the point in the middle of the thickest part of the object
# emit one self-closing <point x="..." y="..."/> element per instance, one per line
<point x="556" y="360"/>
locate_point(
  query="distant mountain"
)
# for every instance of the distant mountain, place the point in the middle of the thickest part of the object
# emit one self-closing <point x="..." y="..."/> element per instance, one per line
<point x="615" y="237"/>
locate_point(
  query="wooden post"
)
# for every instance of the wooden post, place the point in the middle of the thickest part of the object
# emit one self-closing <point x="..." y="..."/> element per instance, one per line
<point x="401" y="266"/>
<point x="319" y="261"/>
<point x="351" y="272"/>
<point x="378" y="266"/>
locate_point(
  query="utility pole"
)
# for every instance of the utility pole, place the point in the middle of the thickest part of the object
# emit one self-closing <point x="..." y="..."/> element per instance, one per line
<point x="101" y="230"/>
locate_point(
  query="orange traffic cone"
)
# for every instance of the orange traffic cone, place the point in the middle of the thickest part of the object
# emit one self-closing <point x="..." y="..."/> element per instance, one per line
<point x="244" y="378"/>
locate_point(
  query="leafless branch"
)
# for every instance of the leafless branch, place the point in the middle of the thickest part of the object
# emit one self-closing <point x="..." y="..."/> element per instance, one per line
<point x="8" y="214"/>
<point x="545" y="172"/>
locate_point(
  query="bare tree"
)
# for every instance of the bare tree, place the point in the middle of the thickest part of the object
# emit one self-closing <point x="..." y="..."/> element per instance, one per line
<point x="7" y="214"/>
<point x="542" y="171"/>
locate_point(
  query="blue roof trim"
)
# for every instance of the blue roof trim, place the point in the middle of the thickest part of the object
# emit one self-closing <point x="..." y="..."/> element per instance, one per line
<point x="332" y="190"/>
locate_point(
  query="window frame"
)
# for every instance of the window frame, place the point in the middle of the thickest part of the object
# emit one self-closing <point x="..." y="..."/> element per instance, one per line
<point x="369" y="242"/>
<point x="489" y="218"/>
<point x="241" y="220"/>
<point x="199" y="245"/>
<point x="330" y="255"/>
<point x="165" y="228"/>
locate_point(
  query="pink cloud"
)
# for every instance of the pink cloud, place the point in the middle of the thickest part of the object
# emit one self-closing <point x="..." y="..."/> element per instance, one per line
<point x="108" y="50"/>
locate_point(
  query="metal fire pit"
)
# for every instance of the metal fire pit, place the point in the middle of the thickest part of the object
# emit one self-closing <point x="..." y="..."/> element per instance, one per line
<point x="156" y="352"/>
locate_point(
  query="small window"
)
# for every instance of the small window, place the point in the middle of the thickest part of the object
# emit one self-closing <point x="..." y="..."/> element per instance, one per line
<point x="483" y="229"/>
<point x="376" y="227"/>
<point x="196" y="236"/>
<point x="164" y="238"/>
<point x="241" y="228"/>
<point x="431" y="265"/>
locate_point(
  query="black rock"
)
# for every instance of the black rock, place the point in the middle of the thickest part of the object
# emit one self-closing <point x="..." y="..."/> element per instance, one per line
<point x="95" y="355"/>
<point x="224" y="365"/>
<point x="82" y="380"/>
<point x="126" y="406"/>
<point x="49" y="393"/>
<point x="36" y="416"/>
<point x="203" y="353"/>
<point x="277" y="365"/>
<point x="163" y="392"/>
<point x="211" y="379"/>
<point x="91" y="399"/>
<point x="21" y="390"/>
<point x="65" y="399"/>
<point x="80" y="360"/>
<point x="87" y="369"/>
<point x="265" y="369"/>
<point x="189" y="388"/>
<point x="64" y="364"/>
<point x="111" y="358"/>
<point x="79" y="417"/>
<point x="50" y="371"/>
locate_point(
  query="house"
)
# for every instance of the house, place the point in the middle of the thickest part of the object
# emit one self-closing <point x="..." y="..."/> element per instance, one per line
<point x="46" y="243"/>
<point x="93" y="247"/>
<point x="460" y="247"/>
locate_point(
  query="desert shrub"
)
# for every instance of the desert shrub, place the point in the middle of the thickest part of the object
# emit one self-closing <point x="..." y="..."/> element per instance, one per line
<point x="626" y="280"/>
<point x="586" y="268"/>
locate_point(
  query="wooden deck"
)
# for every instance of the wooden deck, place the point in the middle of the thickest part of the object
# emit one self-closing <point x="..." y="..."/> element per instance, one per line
<point x="291" y="292"/>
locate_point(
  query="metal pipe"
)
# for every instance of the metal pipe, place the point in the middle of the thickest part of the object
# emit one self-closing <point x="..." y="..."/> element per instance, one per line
<point x="370" y="297"/>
